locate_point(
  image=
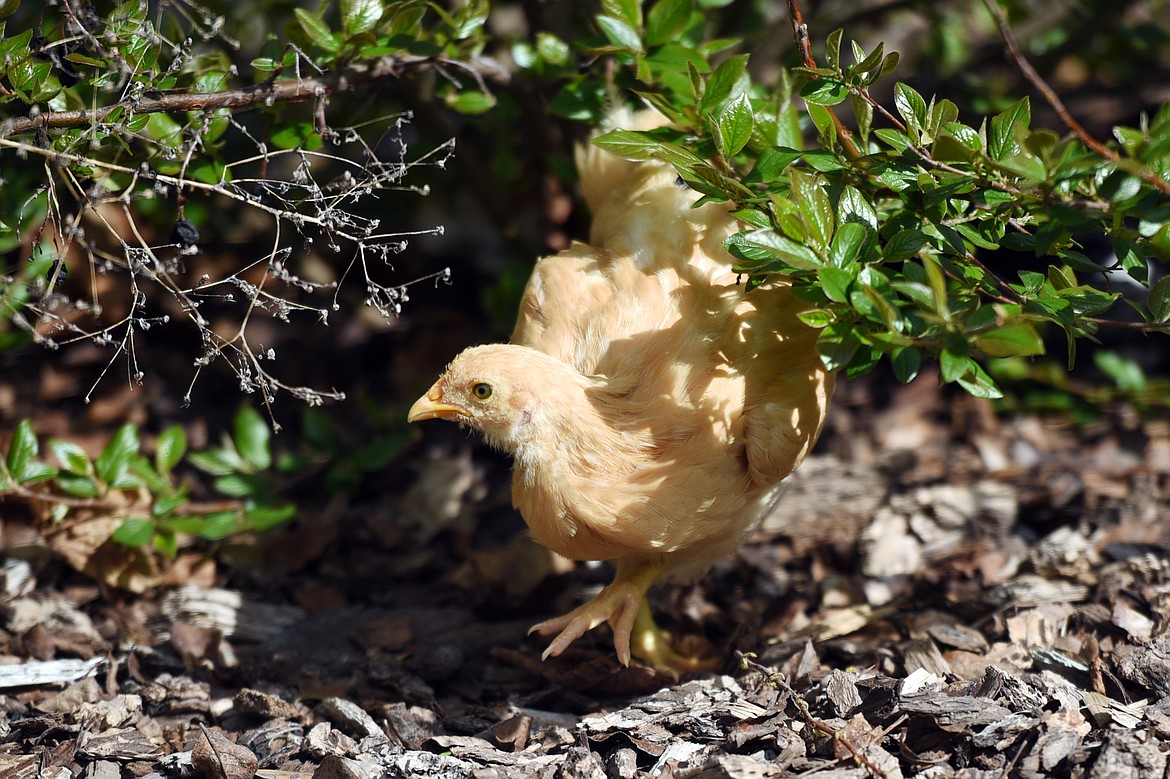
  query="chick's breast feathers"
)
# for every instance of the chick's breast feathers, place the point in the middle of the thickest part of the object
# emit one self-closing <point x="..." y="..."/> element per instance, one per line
<point x="704" y="394"/>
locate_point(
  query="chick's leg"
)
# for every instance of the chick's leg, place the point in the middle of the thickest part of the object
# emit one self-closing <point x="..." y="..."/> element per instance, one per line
<point x="652" y="644"/>
<point x="619" y="604"/>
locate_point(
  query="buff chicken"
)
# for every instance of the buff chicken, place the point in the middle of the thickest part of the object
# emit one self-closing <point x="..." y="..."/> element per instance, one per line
<point x="652" y="404"/>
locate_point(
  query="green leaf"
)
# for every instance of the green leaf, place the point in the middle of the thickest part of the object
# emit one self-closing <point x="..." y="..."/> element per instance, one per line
<point x="552" y="49"/>
<point x="166" y="545"/>
<point x="265" y="65"/>
<point x="242" y="485"/>
<point x="911" y="106"/>
<point x="1132" y="260"/>
<point x="630" y="144"/>
<point x="825" y="91"/>
<point x="219" y="525"/>
<point x="317" y="30"/>
<point x="728" y="80"/>
<point x="833" y="48"/>
<point x="78" y="486"/>
<point x="265" y="517"/>
<point x="619" y="33"/>
<point x="145" y="473"/>
<point x="835" y="282"/>
<point x="111" y="463"/>
<point x="37" y="471"/>
<point x="1159" y="301"/>
<point x="968" y="374"/>
<point x="816" y="318"/>
<point x="870" y="61"/>
<point x="171" y="446"/>
<point x="837" y="345"/>
<point x="1124" y="372"/>
<point x="906" y="362"/>
<point x="295" y="135"/>
<point x="218" y="462"/>
<point x="890" y="63"/>
<point x="846" y="246"/>
<point x="471" y="18"/>
<point x="769" y="244"/>
<point x="627" y="11"/>
<point x="71" y="456"/>
<point x="360" y="15"/>
<point x="22" y="449"/>
<point x="135" y="531"/>
<point x="822" y="119"/>
<point x="1089" y="301"/>
<point x="1013" y="340"/>
<point x="252" y="435"/>
<point x="1032" y="280"/>
<point x="188" y="525"/>
<point x="471" y="102"/>
<point x="209" y="171"/>
<point x="16" y="47"/>
<point x="1001" y="141"/>
<point x="667" y="20"/>
<point x="904" y="245"/>
<point x="165" y="505"/>
<point x="894" y="138"/>
<point x="808" y="193"/>
<point x="735" y="125"/>
<point x="852" y="207"/>
<point x="863" y="115"/>
<point x="771" y="163"/>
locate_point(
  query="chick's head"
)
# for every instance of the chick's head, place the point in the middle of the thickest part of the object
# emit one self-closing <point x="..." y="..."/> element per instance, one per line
<point x="496" y="389"/>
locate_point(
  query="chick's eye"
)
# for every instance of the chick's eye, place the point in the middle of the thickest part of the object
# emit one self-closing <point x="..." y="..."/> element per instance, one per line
<point x="481" y="391"/>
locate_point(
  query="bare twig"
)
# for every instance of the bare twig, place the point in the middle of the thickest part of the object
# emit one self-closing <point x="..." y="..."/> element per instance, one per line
<point x="777" y="680"/>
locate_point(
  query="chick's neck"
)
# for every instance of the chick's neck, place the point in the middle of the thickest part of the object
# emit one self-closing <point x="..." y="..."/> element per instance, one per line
<point x="578" y="431"/>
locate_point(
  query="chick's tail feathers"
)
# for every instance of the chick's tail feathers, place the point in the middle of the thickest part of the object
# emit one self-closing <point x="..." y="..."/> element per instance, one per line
<point x="602" y="172"/>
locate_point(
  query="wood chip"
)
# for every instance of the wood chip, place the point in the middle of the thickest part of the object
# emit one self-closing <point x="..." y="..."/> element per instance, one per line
<point x="215" y="756"/>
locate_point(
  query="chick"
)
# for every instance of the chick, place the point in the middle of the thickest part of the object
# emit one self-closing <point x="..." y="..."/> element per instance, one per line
<point x="651" y="403"/>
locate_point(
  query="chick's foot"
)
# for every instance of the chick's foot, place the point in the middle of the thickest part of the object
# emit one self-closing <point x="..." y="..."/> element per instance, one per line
<point x="622" y="604"/>
<point x="618" y="604"/>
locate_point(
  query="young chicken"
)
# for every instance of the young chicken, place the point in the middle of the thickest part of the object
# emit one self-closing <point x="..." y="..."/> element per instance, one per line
<point x="651" y="403"/>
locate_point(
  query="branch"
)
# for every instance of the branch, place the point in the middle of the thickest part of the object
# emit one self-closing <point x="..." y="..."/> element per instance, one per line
<point x="804" y="47"/>
<point x="291" y="91"/>
<point x="1013" y="46"/>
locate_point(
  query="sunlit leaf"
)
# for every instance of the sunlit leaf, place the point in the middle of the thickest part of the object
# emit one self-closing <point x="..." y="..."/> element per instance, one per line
<point x="666" y="20"/>
<point x="360" y="15"/>
<point x="1020" y="340"/>
<point x="171" y="446"/>
<point x="71" y="456"/>
<point x="735" y="125"/>
<point x="112" y="462"/>
<point x="135" y="531"/>
<point x="252" y="435"/>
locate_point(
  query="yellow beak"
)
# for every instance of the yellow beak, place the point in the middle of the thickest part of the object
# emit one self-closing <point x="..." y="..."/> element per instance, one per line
<point x="431" y="406"/>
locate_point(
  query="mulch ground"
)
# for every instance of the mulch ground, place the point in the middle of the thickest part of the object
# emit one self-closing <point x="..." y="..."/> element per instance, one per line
<point x="942" y="592"/>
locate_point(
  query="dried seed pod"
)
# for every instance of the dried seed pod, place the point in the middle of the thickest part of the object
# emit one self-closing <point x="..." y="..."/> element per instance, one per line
<point x="58" y="273"/>
<point x="185" y="234"/>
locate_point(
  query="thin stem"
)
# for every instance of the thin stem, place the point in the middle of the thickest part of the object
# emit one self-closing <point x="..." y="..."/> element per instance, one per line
<point x="804" y="47"/>
<point x="1030" y="73"/>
